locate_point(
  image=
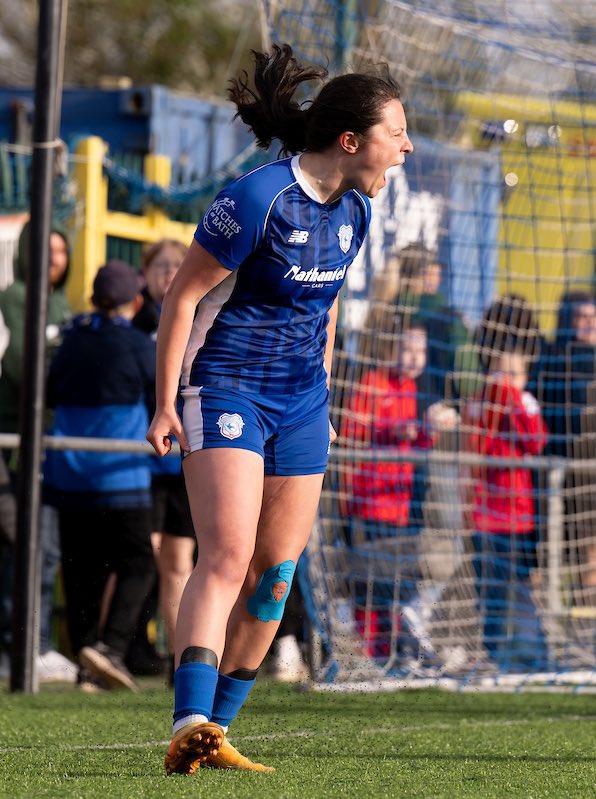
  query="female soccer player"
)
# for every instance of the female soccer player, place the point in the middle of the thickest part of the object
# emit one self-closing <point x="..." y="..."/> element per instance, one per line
<point x="251" y="366"/>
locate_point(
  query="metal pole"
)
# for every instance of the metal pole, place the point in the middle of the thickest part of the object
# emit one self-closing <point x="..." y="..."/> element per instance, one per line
<point x="25" y="628"/>
<point x="346" y="33"/>
<point x="555" y="539"/>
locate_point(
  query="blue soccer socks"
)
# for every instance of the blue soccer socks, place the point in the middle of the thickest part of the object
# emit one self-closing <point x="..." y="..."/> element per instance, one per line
<point x="194" y="691"/>
<point x="230" y="695"/>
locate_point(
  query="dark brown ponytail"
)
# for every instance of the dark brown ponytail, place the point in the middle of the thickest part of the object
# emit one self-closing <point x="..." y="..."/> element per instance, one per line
<point x="353" y="102"/>
<point x="270" y="110"/>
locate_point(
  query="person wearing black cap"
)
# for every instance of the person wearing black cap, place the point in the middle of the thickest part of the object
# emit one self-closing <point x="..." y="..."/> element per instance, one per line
<point x="100" y="385"/>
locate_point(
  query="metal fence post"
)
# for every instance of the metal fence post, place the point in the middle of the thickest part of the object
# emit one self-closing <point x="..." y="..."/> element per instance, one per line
<point x="555" y="538"/>
<point x="90" y="247"/>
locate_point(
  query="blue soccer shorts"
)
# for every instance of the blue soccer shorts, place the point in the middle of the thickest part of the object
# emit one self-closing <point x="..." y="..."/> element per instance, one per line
<point x="290" y="432"/>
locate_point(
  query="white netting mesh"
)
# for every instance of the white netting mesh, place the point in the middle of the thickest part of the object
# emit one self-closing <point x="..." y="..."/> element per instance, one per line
<point x="412" y="570"/>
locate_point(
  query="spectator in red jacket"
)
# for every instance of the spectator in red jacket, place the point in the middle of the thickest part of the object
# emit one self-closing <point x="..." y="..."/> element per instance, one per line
<point x="382" y="414"/>
<point x="504" y="420"/>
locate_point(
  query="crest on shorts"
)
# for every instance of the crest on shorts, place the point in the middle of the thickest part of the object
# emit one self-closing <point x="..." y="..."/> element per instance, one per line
<point x="230" y="425"/>
<point x="278" y="590"/>
<point x="345" y="234"/>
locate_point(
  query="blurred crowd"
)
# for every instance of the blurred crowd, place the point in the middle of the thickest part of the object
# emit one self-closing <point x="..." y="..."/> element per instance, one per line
<point x="485" y="397"/>
<point x="116" y="538"/>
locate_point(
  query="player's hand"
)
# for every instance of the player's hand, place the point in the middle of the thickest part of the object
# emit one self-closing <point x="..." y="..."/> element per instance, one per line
<point x="407" y="431"/>
<point x="440" y="417"/>
<point x="165" y="425"/>
<point x="530" y="403"/>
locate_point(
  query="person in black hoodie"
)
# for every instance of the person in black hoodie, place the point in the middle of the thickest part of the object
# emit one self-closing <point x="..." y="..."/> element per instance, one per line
<point x="565" y="386"/>
<point x="100" y="385"/>
<point x="566" y="369"/>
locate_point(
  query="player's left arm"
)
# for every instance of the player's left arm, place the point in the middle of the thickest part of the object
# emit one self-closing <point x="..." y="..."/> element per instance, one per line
<point x="331" y="328"/>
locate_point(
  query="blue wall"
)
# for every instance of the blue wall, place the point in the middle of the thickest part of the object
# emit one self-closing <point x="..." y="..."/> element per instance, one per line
<point x="198" y="135"/>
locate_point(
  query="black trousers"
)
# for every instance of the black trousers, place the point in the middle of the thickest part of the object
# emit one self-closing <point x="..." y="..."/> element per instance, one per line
<point x="97" y="542"/>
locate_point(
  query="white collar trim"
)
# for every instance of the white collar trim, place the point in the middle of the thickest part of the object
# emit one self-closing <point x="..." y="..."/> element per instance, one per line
<point x="302" y="182"/>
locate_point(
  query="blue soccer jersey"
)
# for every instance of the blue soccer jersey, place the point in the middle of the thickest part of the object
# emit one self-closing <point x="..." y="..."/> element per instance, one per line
<point x="263" y="329"/>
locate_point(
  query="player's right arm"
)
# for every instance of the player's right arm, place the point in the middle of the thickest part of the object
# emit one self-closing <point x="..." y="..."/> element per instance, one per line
<point x="198" y="274"/>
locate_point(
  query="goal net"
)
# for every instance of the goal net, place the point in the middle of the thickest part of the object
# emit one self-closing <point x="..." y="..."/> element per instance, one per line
<point x="456" y="540"/>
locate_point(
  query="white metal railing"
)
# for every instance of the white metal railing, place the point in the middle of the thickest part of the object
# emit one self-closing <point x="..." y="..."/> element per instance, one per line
<point x="555" y="469"/>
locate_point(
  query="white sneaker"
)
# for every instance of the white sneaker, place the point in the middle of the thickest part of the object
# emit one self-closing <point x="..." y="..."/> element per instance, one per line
<point x="54" y="667"/>
<point x="288" y="664"/>
<point x="455" y="658"/>
<point x="4" y="666"/>
<point x="416" y="624"/>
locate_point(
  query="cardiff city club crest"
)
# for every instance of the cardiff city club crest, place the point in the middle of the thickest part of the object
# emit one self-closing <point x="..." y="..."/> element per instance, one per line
<point x="230" y="425"/>
<point x="345" y="234"/>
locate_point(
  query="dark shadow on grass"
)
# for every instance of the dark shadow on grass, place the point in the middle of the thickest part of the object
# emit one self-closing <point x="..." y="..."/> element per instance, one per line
<point x="423" y="703"/>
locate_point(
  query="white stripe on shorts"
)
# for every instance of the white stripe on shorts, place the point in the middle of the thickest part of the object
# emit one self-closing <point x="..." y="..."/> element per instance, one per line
<point x="192" y="417"/>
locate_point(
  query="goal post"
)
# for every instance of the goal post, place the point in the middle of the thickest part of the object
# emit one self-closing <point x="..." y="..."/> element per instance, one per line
<point x="456" y="538"/>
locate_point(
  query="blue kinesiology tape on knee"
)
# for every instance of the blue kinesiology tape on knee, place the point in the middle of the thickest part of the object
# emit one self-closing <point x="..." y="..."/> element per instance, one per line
<point x="194" y="690"/>
<point x="229" y="697"/>
<point x="268" y="601"/>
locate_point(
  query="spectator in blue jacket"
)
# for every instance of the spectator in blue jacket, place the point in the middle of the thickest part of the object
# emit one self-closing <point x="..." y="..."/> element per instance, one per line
<point x="101" y="384"/>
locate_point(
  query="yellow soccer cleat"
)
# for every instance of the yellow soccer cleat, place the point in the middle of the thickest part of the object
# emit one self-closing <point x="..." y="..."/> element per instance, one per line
<point x="192" y="745"/>
<point x="229" y="757"/>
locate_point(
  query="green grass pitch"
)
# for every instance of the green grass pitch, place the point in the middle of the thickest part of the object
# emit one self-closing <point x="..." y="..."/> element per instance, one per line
<point x="61" y="743"/>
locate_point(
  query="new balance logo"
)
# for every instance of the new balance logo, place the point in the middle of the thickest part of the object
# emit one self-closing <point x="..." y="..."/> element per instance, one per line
<point x="298" y="237"/>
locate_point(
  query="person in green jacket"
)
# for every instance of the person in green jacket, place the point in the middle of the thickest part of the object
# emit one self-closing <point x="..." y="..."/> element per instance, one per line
<point x="51" y="665"/>
<point x="12" y="306"/>
<point x="420" y="295"/>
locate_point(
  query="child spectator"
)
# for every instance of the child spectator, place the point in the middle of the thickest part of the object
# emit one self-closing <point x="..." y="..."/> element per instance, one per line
<point x="382" y="413"/>
<point x="101" y="382"/>
<point x="504" y="420"/>
<point x="509" y="324"/>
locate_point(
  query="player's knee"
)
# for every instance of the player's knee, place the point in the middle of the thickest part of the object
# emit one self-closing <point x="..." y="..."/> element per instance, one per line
<point x="268" y="601"/>
<point x="230" y="565"/>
